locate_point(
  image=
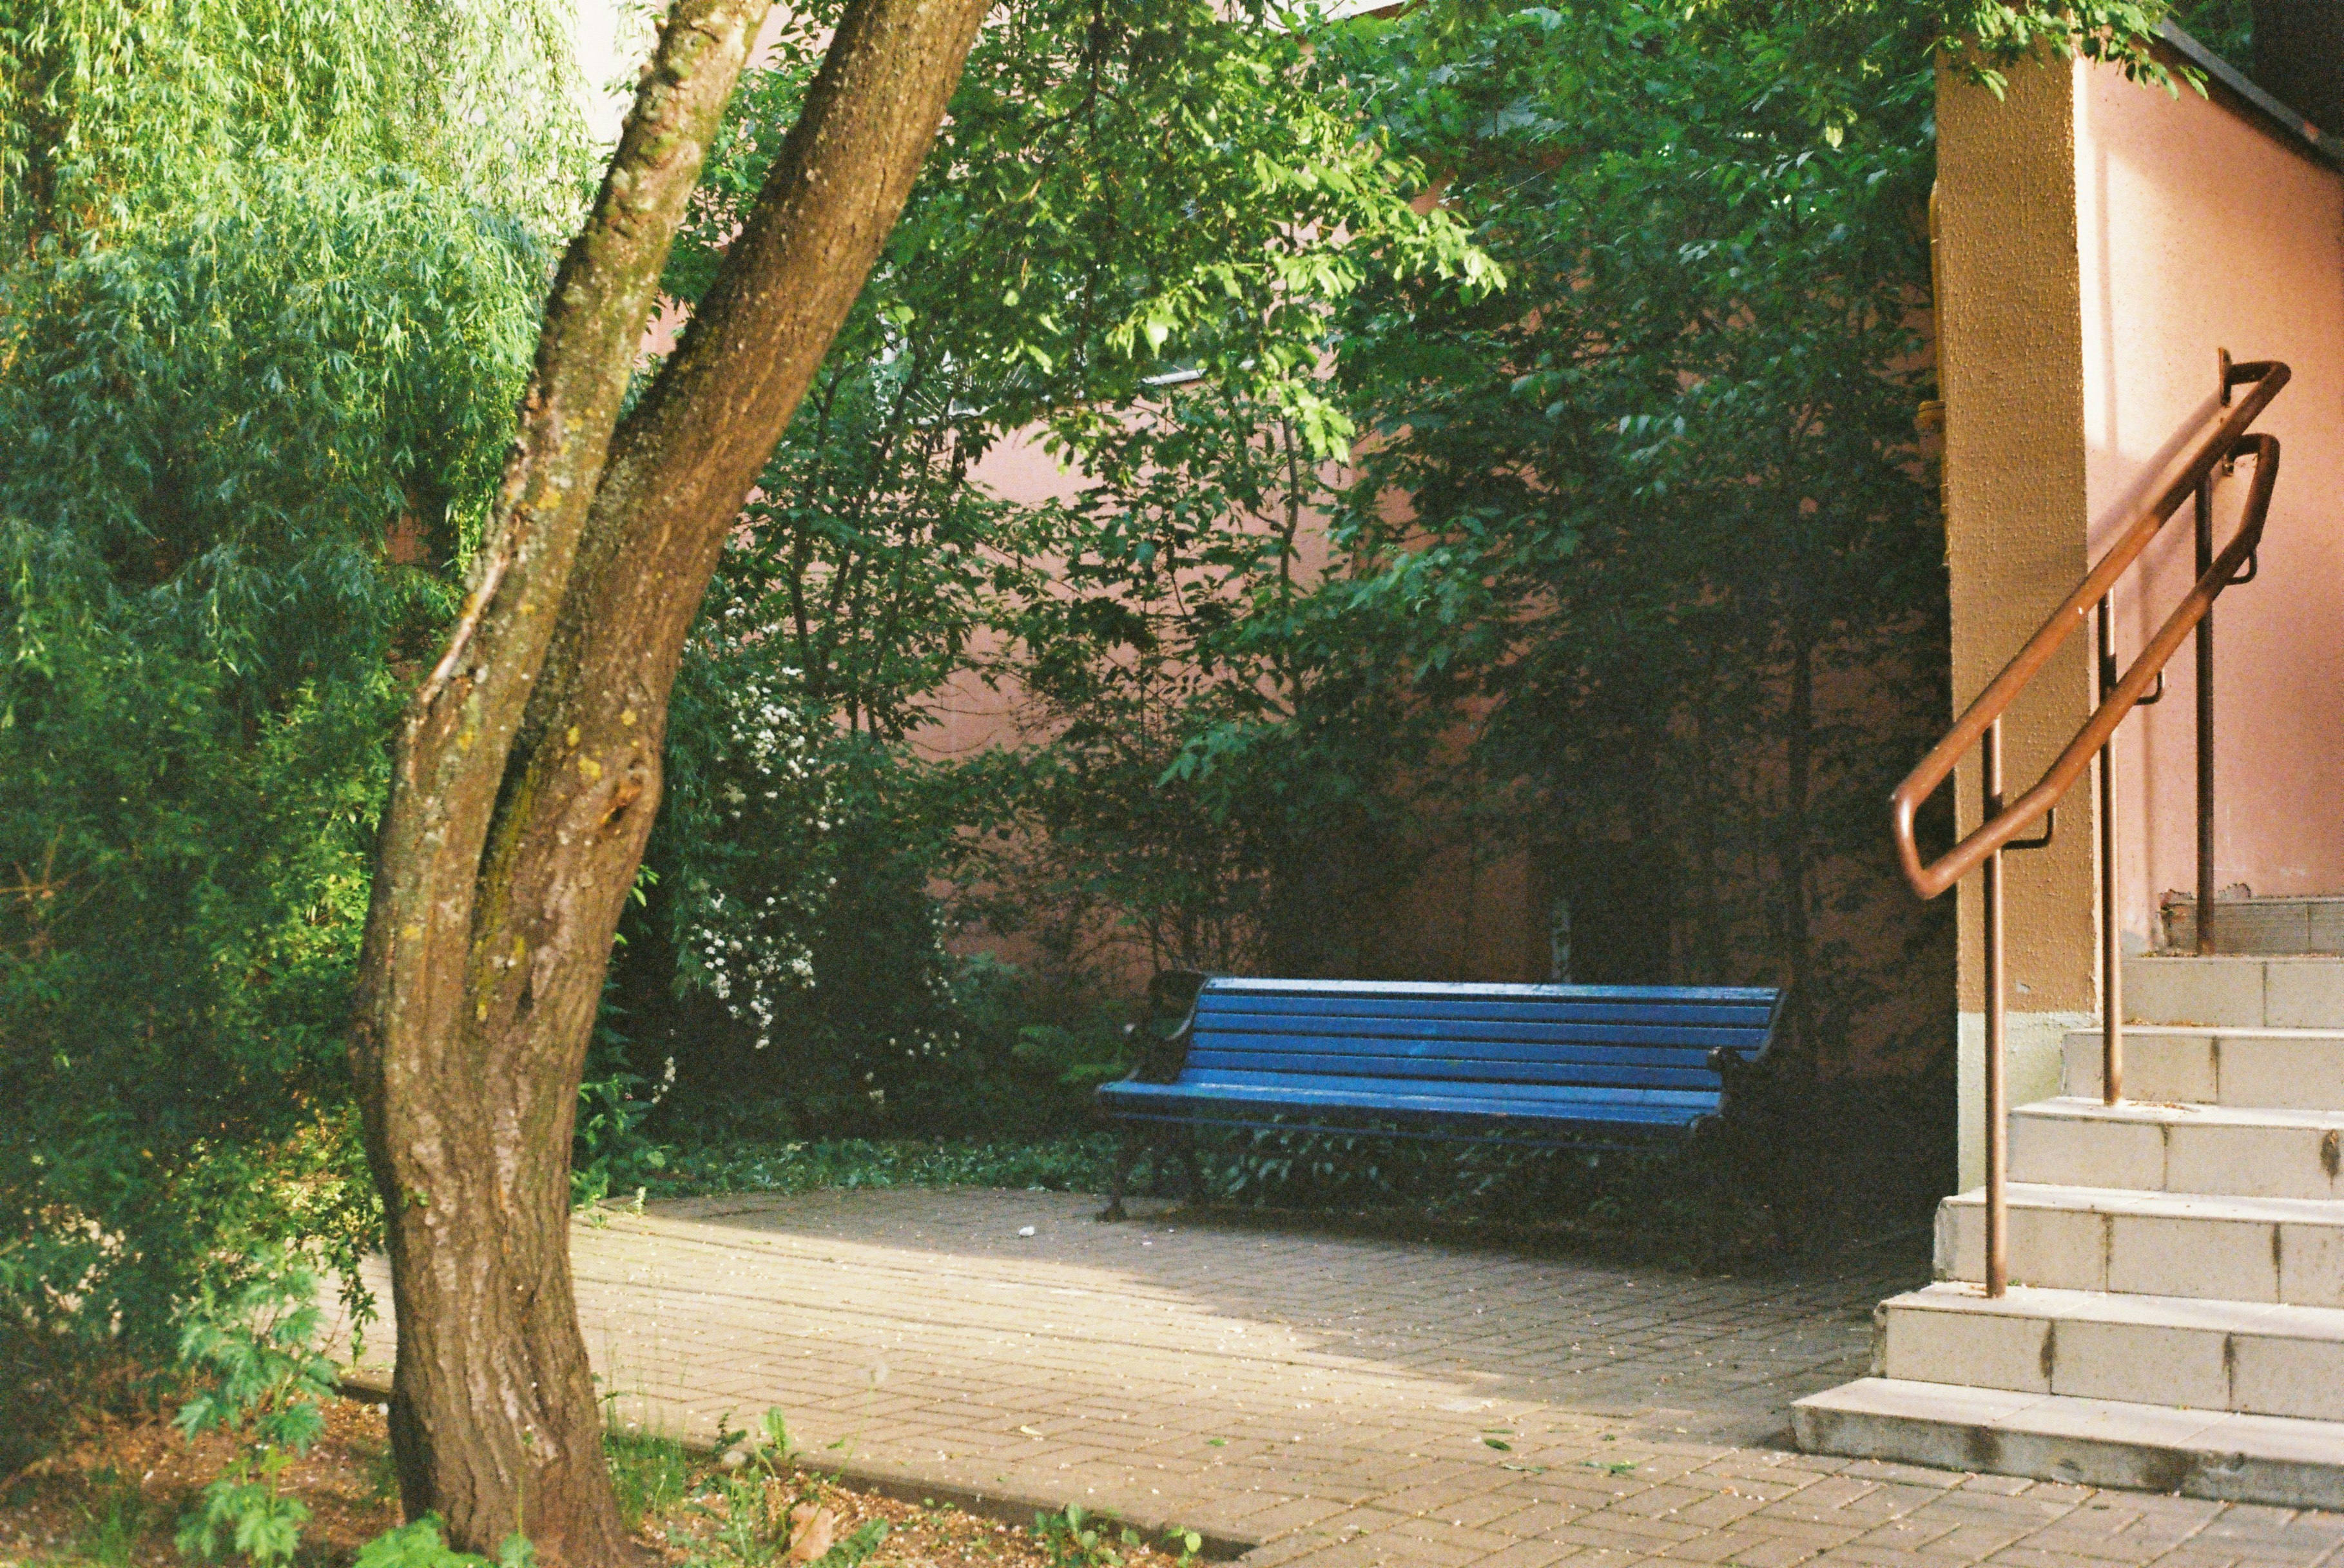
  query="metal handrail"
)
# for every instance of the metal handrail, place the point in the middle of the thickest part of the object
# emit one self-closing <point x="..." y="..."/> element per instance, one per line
<point x="2219" y="441"/>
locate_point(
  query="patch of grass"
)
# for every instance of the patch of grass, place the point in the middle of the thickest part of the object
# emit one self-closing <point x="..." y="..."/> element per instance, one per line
<point x="115" y="1516"/>
<point x="651" y="1474"/>
<point x="380" y="1468"/>
<point x="1077" y="1163"/>
<point x="1075" y="1538"/>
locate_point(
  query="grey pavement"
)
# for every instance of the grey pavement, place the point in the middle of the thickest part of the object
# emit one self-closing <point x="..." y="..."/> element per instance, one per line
<point x="1328" y="1400"/>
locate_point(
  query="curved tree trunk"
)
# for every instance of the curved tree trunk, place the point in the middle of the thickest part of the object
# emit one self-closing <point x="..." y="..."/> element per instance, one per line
<point x="528" y="769"/>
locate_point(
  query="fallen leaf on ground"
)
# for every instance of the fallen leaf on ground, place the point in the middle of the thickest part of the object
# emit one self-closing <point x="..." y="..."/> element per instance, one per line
<point x="812" y="1532"/>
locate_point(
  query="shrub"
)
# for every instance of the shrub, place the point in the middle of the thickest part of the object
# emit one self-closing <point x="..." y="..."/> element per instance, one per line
<point x="187" y="887"/>
<point x="269" y="285"/>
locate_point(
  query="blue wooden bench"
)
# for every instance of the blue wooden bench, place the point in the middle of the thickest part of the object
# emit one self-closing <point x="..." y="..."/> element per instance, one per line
<point x="1541" y="1066"/>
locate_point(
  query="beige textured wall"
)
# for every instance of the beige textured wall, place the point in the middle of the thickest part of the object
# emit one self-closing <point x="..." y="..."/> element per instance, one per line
<point x="2199" y="231"/>
<point x="2011" y="361"/>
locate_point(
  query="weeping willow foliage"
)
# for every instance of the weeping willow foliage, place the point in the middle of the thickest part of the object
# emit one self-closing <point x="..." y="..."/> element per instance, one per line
<point x="269" y="279"/>
<point x="118" y="106"/>
<point x="269" y="285"/>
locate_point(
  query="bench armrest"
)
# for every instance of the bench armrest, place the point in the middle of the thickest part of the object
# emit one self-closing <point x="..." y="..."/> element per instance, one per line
<point x="1162" y="1035"/>
<point x="1745" y="1082"/>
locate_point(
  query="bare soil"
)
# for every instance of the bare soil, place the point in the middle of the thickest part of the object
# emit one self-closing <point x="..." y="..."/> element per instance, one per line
<point x="113" y="1498"/>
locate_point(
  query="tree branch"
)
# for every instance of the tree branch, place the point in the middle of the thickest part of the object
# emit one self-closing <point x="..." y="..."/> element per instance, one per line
<point x="458" y="730"/>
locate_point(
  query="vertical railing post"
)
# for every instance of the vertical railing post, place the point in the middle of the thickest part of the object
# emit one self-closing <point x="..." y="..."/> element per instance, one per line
<point x="2205" y="727"/>
<point x="1997" y="1147"/>
<point x="2111" y="954"/>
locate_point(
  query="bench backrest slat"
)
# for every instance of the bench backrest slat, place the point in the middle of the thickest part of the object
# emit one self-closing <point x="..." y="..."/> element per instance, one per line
<point x="1220" y="1063"/>
<point x="1737" y="1013"/>
<point x="1623" y="1053"/>
<point x="1377" y="1034"/>
<point x="1453" y="990"/>
<point x="1531" y="1043"/>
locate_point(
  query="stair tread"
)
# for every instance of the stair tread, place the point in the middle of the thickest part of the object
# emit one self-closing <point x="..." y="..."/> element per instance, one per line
<point x="2137" y="1031"/>
<point x="2131" y="959"/>
<point x="2294" y="1439"/>
<point x="2223" y="901"/>
<point x="2173" y="1205"/>
<point x="2188" y="1313"/>
<point x="2190" y="1113"/>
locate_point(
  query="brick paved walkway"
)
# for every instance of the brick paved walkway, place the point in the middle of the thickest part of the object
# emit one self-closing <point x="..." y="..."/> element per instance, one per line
<point x="1328" y="1398"/>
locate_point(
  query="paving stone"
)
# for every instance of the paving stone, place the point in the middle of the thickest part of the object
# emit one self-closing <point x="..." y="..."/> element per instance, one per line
<point x="918" y="1332"/>
<point x="1772" y="1554"/>
<point x="1907" y="1534"/>
<point x="1523" y="1554"/>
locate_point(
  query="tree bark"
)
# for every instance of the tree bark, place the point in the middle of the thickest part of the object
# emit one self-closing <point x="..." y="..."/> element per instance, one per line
<point x="529" y="764"/>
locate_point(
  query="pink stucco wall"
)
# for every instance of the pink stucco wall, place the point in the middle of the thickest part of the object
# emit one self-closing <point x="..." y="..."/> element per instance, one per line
<point x="2199" y="230"/>
<point x="970" y="714"/>
<point x="1470" y="917"/>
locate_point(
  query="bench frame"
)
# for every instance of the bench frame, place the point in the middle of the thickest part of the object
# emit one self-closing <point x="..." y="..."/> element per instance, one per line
<point x="1746" y="1096"/>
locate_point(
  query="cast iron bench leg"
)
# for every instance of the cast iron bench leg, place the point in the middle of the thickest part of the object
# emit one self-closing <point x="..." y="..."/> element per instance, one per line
<point x="1192" y="1173"/>
<point x="1127" y="1155"/>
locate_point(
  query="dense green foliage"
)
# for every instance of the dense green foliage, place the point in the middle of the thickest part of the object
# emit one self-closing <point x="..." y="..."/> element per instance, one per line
<point x="225" y="407"/>
<point x="1068" y="1163"/>
<point x="1670" y="531"/>
<point x="268" y="282"/>
<point x="1128" y="246"/>
<point x="120" y="112"/>
<point x="1985" y="38"/>
<point x="1668" y="539"/>
<point x="186" y="881"/>
<point x="2224" y="26"/>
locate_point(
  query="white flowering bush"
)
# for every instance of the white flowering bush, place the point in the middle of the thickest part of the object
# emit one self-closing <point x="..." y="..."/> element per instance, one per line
<point x="790" y="888"/>
<point x="748" y="911"/>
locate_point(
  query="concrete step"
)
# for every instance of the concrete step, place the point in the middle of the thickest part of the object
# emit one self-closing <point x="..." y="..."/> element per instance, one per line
<point x="2241" y="992"/>
<point x="2250" y="1068"/>
<point x="2212" y="1150"/>
<point x="2281" y="1461"/>
<point x="2256" y="1358"/>
<point x="2264" y="925"/>
<point x="2141" y="1243"/>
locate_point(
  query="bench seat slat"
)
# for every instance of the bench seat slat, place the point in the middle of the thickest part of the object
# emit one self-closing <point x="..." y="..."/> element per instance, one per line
<point x="1509" y="1134"/>
<point x="1319" y="1101"/>
<point x="1303" y="1064"/>
<point x="1659" y="1108"/>
<point x="1339" y="1083"/>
